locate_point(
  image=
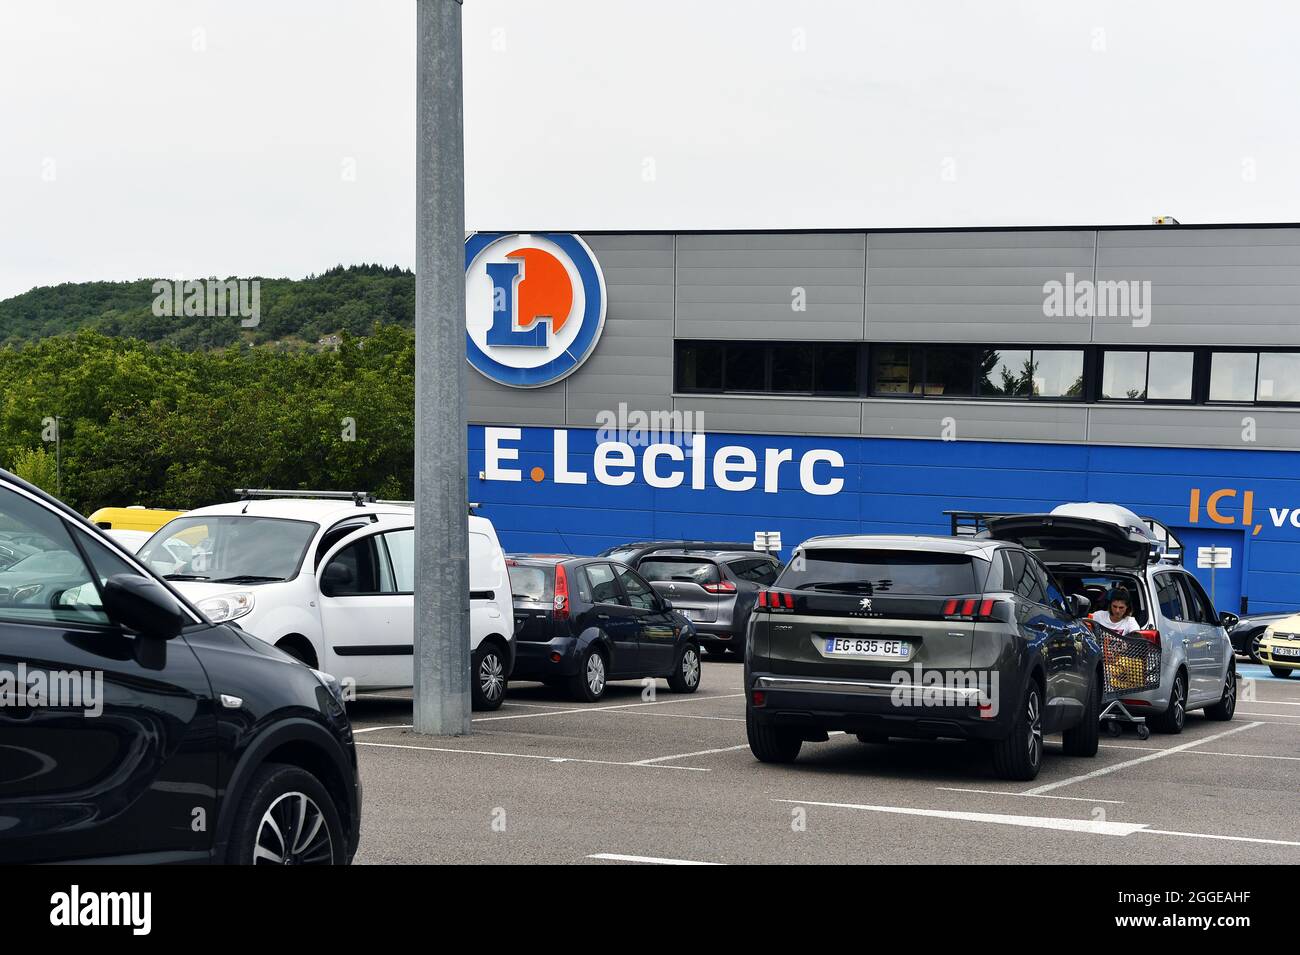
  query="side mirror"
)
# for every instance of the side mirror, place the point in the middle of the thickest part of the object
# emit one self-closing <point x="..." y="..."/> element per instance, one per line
<point x="143" y="605"/>
<point x="1080" y="605"/>
<point x="1228" y="619"/>
<point x="336" y="577"/>
<point x="667" y="604"/>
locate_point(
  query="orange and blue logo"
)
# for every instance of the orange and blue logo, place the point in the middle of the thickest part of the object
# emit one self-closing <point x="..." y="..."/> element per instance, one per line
<point x="534" y="306"/>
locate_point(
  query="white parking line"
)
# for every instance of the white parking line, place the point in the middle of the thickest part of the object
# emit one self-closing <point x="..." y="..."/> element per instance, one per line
<point x="386" y="726"/>
<point x="683" y="716"/>
<point x="1096" y="826"/>
<point x="547" y="759"/>
<point x="1200" y="752"/>
<point x="1093" y="826"/>
<point x="601" y="709"/>
<point x="1106" y="770"/>
<point x="702" y="752"/>
<point x="649" y="860"/>
<point x="1276" y="716"/>
<point x="1003" y="792"/>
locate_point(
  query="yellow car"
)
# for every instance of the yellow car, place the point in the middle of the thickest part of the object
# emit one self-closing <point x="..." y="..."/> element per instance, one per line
<point x="1279" y="647"/>
<point x="134" y="518"/>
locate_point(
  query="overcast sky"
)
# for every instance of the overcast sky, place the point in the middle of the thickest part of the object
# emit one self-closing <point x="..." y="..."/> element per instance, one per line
<point x="275" y="137"/>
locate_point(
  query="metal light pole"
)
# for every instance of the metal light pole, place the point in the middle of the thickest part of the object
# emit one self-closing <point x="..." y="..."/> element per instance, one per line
<point x="58" y="457"/>
<point x="442" y="657"/>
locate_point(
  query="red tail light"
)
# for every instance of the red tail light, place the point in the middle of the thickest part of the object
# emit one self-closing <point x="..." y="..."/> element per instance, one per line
<point x="981" y="608"/>
<point x="721" y="587"/>
<point x="759" y="697"/>
<point x="561" y="603"/>
<point x="771" y="600"/>
<point x="1152" y="635"/>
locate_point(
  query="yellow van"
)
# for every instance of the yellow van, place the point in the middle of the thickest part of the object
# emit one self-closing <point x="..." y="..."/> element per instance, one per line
<point x="134" y="518"/>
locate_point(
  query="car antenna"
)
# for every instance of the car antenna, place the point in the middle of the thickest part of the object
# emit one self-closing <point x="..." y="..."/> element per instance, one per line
<point x="565" y="542"/>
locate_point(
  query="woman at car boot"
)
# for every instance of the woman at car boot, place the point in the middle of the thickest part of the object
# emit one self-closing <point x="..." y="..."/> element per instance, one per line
<point x="1120" y="615"/>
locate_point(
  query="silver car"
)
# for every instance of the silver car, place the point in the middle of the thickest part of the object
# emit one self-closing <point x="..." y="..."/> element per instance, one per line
<point x="1092" y="558"/>
<point x="715" y="589"/>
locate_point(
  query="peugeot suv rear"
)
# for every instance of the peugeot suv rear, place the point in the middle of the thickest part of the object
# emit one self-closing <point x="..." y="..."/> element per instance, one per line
<point x="920" y="637"/>
<point x="1092" y="557"/>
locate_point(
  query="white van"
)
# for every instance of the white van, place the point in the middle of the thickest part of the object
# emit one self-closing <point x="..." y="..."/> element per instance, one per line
<point x="332" y="583"/>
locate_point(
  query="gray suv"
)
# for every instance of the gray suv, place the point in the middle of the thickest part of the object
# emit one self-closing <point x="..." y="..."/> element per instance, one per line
<point x="921" y="637"/>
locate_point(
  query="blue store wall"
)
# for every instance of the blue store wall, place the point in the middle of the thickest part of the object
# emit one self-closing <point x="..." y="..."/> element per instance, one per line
<point x="905" y="486"/>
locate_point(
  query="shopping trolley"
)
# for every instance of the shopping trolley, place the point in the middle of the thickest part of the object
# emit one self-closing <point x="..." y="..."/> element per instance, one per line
<point x="1130" y="664"/>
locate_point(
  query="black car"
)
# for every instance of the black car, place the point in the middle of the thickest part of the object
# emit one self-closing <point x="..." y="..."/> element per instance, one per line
<point x="1250" y="628"/>
<point x="921" y="637"/>
<point x="134" y="730"/>
<point x="714" y="587"/>
<point x="583" y="621"/>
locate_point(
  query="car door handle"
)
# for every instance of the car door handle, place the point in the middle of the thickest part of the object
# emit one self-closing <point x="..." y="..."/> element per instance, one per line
<point x="602" y="616"/>
<point x="1038" y="627"/>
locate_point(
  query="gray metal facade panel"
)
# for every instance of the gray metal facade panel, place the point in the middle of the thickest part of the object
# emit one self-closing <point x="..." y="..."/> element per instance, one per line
<point x="490" y="403"/>
<point x="1208" y="286"/>
<point x="744" y="286"/>
<point x="972" y="286"/>
<point x="633" y="361"/>
<point x="1194" y="427"/>
<point x="772" y="415"/>
<point x="974" y="420"/>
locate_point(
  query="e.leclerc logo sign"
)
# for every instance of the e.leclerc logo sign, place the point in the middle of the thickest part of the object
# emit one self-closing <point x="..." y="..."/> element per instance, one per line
<point x="534" y="306"/>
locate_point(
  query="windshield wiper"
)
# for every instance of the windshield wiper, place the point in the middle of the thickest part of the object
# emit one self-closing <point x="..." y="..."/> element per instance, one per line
<point x="184" y="577"/>
<point x="859" y="588"/>
<point x="247" y="579"/>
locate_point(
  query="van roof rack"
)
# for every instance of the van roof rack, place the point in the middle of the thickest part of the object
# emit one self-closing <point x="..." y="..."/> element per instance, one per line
<point x="357" y="497"/>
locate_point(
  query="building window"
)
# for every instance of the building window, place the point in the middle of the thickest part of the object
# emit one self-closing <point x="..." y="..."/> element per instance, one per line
<point x="829" y="368"/>
<point x="1056" y="374"/>
<point x="964" y="371"/>
<point x="893" y="371"/>
<point x="1232" y="376"/>
<point x="949" y="371"/>
<point x="1147" y="376"/>
<point x="1004" y="372"/>
<point x="1279" y="377"/>
<point x="1124" y="375"/>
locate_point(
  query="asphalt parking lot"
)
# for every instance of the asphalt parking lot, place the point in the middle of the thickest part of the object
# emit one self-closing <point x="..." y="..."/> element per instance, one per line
<point x="671" y="779"/>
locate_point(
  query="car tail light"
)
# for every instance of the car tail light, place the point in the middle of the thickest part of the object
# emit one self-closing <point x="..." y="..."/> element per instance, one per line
<point x="721" y="587"/>
<point x="759" y="697"/>
<point x="1151" y="635"/>
<point x="1135" y="702"/>
<point x="981" y="608"/>
<point x="772" y="600"/>
<point x="561" y="602"/>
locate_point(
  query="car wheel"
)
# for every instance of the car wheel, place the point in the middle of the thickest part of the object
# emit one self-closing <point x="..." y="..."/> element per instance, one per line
<point x="588" y="684"/>
<point x="1227" y="704"/>
<point x="771" y="744"/>
<point x="1173" y="718"/>
<point x="1282" y="672"/>
<point x="1020" y="755"/>
<point x="287" y="818"/>
<point x="488" y="687"/>
<point x="1081" y="740"/>
<point x="686" y="678"/>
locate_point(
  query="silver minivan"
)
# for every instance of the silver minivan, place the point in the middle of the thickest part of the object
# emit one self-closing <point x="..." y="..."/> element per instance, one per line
<point x="1092" y="557"/>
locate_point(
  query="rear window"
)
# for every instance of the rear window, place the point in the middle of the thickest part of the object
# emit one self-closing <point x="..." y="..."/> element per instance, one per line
<point x="755" y="570"/>
<point x="681" y="569"/>
<point x="881" y="572"/>
<point x="529" y="583"/>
